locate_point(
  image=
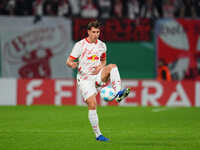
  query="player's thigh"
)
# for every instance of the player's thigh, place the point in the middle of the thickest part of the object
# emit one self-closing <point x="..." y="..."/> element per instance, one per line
<point x="99" y="81"/>
<point x="105" y="73"/>
<point x="87" y="88"/>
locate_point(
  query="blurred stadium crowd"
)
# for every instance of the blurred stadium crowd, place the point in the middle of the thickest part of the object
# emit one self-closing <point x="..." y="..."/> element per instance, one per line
<point x="131" y="9"/>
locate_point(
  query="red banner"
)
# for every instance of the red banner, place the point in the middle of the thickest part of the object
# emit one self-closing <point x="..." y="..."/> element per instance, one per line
<point x="143" y="93"/>
<point x="116" y="30"/>
<point x="178" y="44"/>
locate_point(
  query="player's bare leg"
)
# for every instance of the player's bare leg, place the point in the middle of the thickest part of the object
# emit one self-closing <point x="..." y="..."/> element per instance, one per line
<point x="111" y="72"/>
<point x="93" y="118"/>
<point x="91" y="102"/>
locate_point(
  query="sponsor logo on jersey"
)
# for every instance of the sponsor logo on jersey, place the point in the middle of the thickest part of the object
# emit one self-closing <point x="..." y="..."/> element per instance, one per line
<point x="93" y="58"/>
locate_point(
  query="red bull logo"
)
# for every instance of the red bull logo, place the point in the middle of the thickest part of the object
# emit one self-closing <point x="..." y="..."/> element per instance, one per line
<point x="93" y="58"/>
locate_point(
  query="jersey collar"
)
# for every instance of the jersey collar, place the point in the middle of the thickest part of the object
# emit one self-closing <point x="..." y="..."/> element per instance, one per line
<point x="90" y="42"/>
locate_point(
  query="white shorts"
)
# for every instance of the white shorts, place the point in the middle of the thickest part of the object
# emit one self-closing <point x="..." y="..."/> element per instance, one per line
<point x="88" y="86"/>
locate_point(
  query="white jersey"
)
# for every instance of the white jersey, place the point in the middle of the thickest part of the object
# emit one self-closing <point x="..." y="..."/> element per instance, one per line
<point x="89" y="54"/>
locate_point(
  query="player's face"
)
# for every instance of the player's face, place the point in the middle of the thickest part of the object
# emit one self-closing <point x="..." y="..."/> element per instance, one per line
<point x="93" y="34"/>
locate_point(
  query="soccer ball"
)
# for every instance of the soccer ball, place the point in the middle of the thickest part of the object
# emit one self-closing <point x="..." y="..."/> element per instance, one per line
<point x="107" y="93"/>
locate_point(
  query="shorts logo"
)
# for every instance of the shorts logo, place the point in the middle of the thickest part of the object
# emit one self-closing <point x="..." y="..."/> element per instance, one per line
<point x="93" y="57"/>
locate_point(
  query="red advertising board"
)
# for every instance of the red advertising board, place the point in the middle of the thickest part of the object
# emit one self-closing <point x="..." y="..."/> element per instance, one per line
<point x="143" y="93"/>
<point x="156" y="93"/>
<point x="46" y="92"/>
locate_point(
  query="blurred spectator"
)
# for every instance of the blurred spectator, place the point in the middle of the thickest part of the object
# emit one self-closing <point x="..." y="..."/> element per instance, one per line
<point x="141" y="3"/>
<point x="177" y="4"/>
<point x="64" y="8"/>
<point x="38" y="10"/>
<point x="169" y="9"/>
<point x="102" y="8"/>
<point x="159" y="5"/>
<point x="75" y="7"/>
<point x="51" y="7"/>
<point x="38" y="7"/>
<point x="21" y="8"/>
<point x="133" y="9"/>
<point x="163" y="71"/>
<point x="89" y="10"/>
<point x="149" y="10"/>
<point x="197" y="7"/>
<point x="11" y="7"/>
<point x="187" y="10"/>
<point x="2" y="7"/>
<point x="82" y="3"/>
<point x="118" y="9"/>
<point x="105" y="8"/>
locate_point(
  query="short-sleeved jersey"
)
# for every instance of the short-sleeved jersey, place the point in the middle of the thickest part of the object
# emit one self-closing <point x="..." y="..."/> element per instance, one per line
<point x="89" y="54"/>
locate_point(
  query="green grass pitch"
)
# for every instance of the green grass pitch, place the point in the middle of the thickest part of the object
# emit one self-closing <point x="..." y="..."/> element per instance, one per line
<point x="128" y="128"/>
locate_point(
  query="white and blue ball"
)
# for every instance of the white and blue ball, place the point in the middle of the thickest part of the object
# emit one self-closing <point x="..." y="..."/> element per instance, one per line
<point x="107" y="93"/>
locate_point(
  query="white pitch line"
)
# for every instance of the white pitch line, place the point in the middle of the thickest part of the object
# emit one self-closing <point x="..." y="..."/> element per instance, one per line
<point x="161" y="109"/>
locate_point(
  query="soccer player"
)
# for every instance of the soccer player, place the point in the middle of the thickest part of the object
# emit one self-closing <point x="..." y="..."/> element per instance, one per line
<point x="93" y="73"/>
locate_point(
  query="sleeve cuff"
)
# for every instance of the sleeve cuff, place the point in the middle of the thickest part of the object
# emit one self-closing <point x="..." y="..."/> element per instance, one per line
<point x="103" y="56"/>
<point x="72" y="57"/>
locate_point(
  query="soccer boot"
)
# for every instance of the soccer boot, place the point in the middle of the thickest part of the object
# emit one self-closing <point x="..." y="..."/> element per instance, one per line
<point x="102" y="138"/>
<point x="122" y="94"/>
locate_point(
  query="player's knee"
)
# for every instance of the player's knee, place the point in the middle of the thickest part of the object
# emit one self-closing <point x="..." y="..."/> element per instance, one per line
<point x="108" y="68"/>
<point x="112" y="66"/>
<point x="92" y="106"/>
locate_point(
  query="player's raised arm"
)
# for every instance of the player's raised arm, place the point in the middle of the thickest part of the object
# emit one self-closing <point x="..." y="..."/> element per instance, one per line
<point x="70" y="62"/>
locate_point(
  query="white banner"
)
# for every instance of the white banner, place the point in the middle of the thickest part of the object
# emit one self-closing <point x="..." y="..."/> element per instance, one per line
<point x="8" y="91"/>
<point x="38" y="50"/>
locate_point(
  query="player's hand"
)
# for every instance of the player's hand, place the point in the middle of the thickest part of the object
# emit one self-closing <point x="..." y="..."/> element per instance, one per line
<point x="70" y="62"/>
<point x="74" y="65"/>
<point x="97" y="69"/>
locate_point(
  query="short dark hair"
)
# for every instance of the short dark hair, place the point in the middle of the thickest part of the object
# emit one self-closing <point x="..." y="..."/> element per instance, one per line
<point x="95" y="24"/>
